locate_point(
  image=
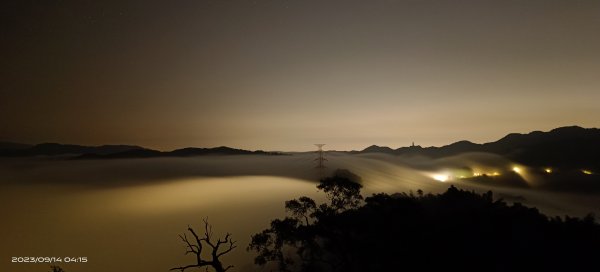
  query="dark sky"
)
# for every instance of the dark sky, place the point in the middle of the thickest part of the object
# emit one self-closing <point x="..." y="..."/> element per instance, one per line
<point x="282" y="75"/>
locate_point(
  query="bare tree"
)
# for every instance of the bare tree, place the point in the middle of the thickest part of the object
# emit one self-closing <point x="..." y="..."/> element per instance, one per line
<point x="198" y="243"/>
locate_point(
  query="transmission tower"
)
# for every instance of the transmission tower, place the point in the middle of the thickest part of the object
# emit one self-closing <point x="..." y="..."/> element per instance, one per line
<point x="320" y="159"/>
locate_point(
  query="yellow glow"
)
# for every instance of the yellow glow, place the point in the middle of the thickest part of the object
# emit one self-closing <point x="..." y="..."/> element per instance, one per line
<point x="548" y="170"/>
<point x="442" y="178"/>
<point x="517" y="169"/>
<point x="495" y="174"/>
<point x="587" y="172"/>
<point x="476" y="174"/>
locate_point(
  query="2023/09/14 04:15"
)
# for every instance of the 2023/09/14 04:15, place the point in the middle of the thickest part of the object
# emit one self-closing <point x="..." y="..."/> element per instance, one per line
<point x="49" y="259"/>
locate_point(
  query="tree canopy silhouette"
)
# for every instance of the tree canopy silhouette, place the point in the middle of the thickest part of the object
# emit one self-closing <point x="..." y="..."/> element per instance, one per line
<point x="457" y="229"/>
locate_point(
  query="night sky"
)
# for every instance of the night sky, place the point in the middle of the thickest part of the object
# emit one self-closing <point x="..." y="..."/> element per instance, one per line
<point x="282" y="75"/>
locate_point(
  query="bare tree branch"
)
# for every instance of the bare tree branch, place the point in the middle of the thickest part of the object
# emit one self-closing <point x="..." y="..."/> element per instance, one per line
<point x="196" y="246"/>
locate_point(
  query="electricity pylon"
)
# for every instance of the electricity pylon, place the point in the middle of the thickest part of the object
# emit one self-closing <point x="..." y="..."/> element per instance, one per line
<point x="320" y="159"/>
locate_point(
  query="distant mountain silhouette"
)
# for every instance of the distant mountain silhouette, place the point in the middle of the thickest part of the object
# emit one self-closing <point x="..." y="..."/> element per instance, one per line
<point x="54" y="149"/>
<point x="134" y="153"/>
<point x="565" y="146"/>
<point x="113" y="151"/>
<point x="12" y="146"/>
<point x="561" y="147"/>
<point x="192" y="151"/>
<point x="378" y="149"/>
<point x="184" y="152"/>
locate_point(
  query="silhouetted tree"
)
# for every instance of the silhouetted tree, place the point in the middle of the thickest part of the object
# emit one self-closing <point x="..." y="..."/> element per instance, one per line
<point x="293" y="241"/>
<point x="342" y="191"/>
<point x="454" y="231"/>
<point x="302" y="208"/>
<point x="198" y="243"/>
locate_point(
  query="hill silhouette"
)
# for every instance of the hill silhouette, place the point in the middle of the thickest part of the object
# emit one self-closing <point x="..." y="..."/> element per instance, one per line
<point x="184" y="152"/>
<point x="562" y="147"/>
<point x="55" y="149"/>
<point x="13" y="146"/>
<point x="114" y="151"/>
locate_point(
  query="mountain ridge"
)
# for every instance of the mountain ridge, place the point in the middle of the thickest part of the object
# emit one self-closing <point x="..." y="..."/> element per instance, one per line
<point x="571" y="145"/>
<point x="116" y="151"/>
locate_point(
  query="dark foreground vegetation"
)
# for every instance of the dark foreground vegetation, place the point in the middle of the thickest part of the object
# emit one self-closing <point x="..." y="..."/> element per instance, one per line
<point x="454" y="231"/>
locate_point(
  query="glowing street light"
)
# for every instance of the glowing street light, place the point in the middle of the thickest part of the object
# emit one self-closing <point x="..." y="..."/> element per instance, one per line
<point x="441" y="178"/>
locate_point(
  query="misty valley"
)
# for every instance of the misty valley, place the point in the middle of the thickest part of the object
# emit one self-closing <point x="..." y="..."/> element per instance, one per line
<point x="126" y="213"/>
